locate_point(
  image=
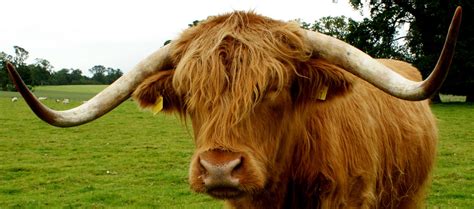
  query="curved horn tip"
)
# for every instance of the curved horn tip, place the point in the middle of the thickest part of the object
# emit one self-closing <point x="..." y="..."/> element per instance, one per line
<point x="13" y="75"/>
<point x="8" y="64"/>
<point x="457" y="16"/>
<point x="458" y="10"/>
<point x="434" y="81"/>
<point x="10" y="67"/>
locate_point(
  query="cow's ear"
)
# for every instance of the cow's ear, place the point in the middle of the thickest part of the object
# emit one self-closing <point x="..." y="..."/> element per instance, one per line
<point x="157" y="93"/>
<point x="319" y="80"/>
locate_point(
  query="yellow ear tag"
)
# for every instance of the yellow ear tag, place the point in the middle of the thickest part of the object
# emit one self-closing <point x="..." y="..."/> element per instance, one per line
<point x="158" y="105"/>
<point x="322" y="93"/>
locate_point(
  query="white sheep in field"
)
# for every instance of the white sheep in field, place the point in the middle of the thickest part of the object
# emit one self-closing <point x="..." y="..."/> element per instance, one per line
<point x="14" y="99"/>
<point x="42" y="98"/>
<point x="66" y="101"/>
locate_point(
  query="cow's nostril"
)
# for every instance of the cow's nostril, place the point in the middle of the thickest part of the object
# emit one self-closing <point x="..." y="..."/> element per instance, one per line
<point x="220" y="170"/>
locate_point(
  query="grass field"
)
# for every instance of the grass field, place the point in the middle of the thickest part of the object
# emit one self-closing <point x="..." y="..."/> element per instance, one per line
<point x="72" y="92"/>
<point x="132" y="159"/>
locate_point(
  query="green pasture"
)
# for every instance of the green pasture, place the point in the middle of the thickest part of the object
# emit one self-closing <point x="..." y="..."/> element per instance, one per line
<point x="72" y="92"/>
<point x="132" y="159"/>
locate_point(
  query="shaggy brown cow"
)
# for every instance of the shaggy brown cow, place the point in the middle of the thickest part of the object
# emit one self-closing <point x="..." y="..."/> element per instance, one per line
<point x="281" y="116"/>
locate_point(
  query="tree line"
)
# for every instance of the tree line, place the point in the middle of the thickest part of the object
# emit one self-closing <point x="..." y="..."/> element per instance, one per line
<point x="382" y="35"/>
<point x="41" y="72"/>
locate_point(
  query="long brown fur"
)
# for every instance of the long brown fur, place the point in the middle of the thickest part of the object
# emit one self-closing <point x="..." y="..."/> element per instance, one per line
<point x="248" y="83"/>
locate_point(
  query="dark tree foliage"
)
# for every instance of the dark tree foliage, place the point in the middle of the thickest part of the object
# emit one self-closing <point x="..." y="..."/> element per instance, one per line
<point x="429" y="21"/>
<point x="104" y="75"/>
<point x="98" y="73"/>
<point x="372" y="37"/>
<point x="77" y="77"/>
<point x="69" y="76"/>
<point x="166" y="42"/>
<point x="194" y="23"/>
<point x="18" y="61"/>
<point x="112" y="75"/>
<point x="61" y="77"/>
<point x="41" y="72"/>
<point x="4" y="81"/>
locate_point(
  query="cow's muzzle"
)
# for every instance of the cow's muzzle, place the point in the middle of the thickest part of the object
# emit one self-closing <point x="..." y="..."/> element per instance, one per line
<point x="221" y="173"/>
<point x="225" y="174"/>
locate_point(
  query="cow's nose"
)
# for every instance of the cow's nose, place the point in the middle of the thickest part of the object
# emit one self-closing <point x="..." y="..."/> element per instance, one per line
<point x="219" y="168"/>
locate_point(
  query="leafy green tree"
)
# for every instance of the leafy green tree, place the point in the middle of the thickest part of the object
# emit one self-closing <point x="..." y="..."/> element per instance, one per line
<point x="21" y="55"/>
<point x="368" y="35"/>
<point x="194" y="23"/>
<point x="112" y="75"/>
<point x="98" y="74"/>
<point x="61" y="77"/>
<point x="77" y="77"/>
<point x="4" y="80"/>
<point x="40" y="72"/>
<point x="338" y="27"/>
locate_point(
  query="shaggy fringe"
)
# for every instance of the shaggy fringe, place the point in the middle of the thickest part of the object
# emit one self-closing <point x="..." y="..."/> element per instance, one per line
<point x="225" y="66"/>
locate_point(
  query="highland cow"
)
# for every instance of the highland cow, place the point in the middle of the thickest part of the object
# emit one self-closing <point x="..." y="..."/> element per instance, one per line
<point x="283" y="117"/>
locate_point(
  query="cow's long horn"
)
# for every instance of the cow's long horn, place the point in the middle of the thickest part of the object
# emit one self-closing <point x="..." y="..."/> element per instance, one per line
<point x="100" y="104"/>
<point x="374" y="72"/>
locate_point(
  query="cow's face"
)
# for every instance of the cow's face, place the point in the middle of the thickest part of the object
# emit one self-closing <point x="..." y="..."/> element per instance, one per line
<point x="238" y="151"/>
<point x="239" y="89"/>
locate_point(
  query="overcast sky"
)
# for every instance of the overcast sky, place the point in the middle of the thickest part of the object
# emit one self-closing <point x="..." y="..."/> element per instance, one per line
<point x="118" y="34"/>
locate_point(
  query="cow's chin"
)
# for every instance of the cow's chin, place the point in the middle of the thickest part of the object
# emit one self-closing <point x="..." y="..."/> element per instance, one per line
<point x="230" y="193"/>
<point x="226" y="193"/>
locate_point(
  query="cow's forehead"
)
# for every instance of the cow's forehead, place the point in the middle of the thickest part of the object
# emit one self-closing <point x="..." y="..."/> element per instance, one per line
<point x="232" y="59"/>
